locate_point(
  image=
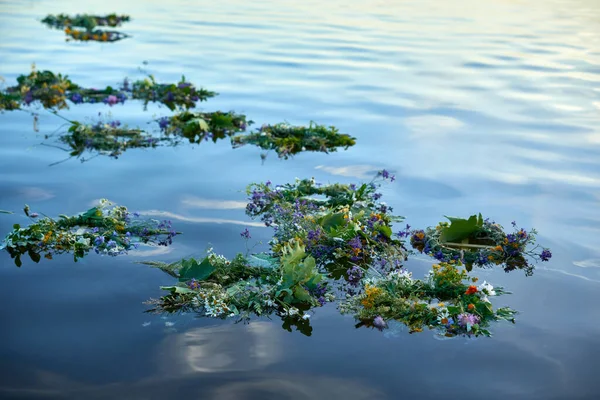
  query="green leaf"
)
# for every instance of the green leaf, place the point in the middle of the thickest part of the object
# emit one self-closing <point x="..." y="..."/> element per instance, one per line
<point x="177" y="289"/>
<point x="6" y="212"/>
<point x="302" y="294"/>
<point x="460" y="229"/>
<point x="16" y="226"/>
<point x="332" y="221"/>
<point x="35" y="257"/>
<point x="196" y="125"/>
<point x="385" y="230"/>
<point x="192" y="270"/>
<point x="18" y="262"/>
<point x="262" y="261"/>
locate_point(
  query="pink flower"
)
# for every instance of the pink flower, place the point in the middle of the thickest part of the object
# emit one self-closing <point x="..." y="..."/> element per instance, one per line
<point x="111" y="100"/>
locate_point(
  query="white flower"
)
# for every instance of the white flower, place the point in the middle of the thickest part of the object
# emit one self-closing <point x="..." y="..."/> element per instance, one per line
<point x="293" y="311"/>
<point x="306" y="316"/>
<point x="487" y="289"/>
<point x="442" y="313"/>
<point x="400" y="274"/>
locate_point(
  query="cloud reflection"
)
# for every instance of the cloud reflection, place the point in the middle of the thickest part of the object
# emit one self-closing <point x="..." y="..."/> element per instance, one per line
<point x="222" y="348"/>
<point x="199" y="220"/>
<point x="197" y="202"/>
<point x="352" y="171"/>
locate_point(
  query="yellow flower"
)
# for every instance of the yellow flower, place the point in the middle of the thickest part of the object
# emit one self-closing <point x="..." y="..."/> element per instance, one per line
<point x="371" y="293"/>
<point x="441" y="304"/>
<point x="498" y="248"/>
<point x="47" y="237"/>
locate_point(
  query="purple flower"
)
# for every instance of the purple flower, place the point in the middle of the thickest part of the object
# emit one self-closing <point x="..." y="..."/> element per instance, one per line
<point x="163" y="123"/>
<point x="355" y="274"/>
<point x="34" y="215"/>
<point x="28" y="98"/>
<point x="379" y="323"/>
<point x="355" y="242"/>
<point x="384" y="173"/>
<point x="245" y="234"/>
<point x="111" y="100"/>
<point x="546" y="255"/>
<point x="467" y="318"/>
<point x="193" y="284"/>
<point x="99" y="240"/>
<point x="76" y="98"/>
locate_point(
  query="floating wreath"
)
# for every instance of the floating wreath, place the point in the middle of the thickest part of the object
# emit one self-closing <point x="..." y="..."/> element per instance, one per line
<point x="479" y="242"/>
<point x="88" y="23"/>
<point x="201" y="126"/>
<point x="105" y="138"/>
<point x="53" y="90"/>
<point x="106" y="229"/>
<point x="446" y="300"/>
<point x="183" y="94"/>
<point x="343" y="235"/>
<point x="245" y="287"/>
<point x="288" y="140"/>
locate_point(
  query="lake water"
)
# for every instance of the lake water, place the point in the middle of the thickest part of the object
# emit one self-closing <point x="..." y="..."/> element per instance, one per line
<point x="477" y="106"/>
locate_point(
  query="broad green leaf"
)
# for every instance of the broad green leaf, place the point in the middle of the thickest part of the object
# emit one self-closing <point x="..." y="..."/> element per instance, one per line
<point x="385" y="230"/>
<point x="192" y="270"/>
<point x="177" y="289"/>
<point x="332" y="221"/>
<point x="262" y="261"/>
<point x="302" y="294"/>
<point x="195" y="125"/>
<point x="459" y="229"/>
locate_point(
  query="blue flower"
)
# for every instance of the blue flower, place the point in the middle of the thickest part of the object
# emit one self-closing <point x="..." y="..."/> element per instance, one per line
<point x="76" y="98"/>
<point x="546" y="255"/>
<point x="245" y="234"/>
<point x="163" y="123"/>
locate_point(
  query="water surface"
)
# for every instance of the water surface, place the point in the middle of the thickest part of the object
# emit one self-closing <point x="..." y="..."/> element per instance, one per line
<point x="477" y="106"/>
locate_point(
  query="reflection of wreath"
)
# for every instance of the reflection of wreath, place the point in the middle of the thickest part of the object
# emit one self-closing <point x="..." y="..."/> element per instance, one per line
<point x="98" y="35"/>
<point x="478" y="242"/>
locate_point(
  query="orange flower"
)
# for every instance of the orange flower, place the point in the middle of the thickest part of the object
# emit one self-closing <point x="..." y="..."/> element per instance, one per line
<point x="471" y="306"/>
<point x="444" y="321"/>
<point x="498" y="248"/>
<point x="472" y="289"/>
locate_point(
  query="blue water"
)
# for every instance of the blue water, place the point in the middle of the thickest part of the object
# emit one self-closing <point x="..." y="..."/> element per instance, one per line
<point x="477" y="106"/>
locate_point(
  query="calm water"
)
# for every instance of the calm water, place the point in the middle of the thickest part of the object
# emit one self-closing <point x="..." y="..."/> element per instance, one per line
<point x="477" y="106"/>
